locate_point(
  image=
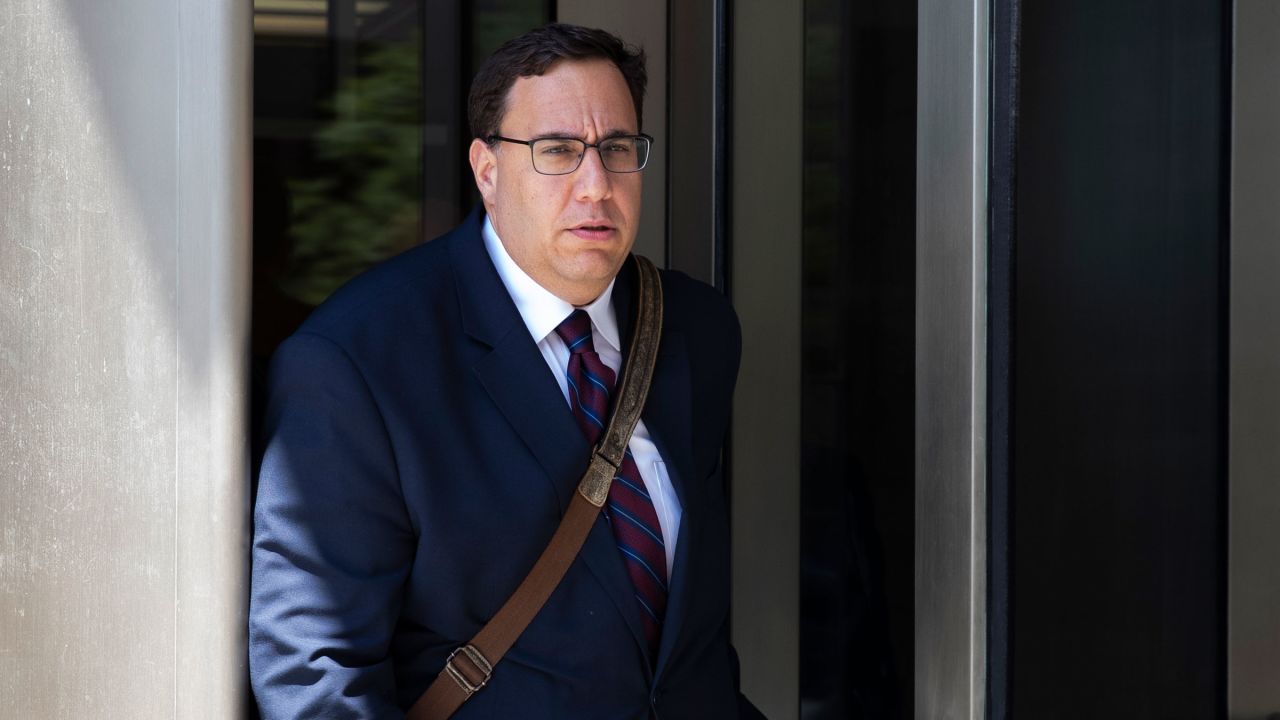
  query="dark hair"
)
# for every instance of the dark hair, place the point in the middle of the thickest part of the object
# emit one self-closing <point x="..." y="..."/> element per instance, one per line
<point x="533" y="53"/>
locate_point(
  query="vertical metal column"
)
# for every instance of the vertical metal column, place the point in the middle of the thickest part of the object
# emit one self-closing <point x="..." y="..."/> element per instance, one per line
<point x="951" y="367"/>
<point x="1253" y="680"/>
<point x="214" y="188"/>
<point x="644" y="24"/>
<point x="695" y="204"/>
<point x="765" y="225"/>
<point x="124" y="246"/>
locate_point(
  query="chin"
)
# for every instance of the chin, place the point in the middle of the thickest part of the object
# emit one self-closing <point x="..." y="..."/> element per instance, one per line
<point x="595" y="264"/>
<point x="595" y="276"/>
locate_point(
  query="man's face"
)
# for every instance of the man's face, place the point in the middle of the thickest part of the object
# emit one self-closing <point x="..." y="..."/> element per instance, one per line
<point x="572" y="232"/>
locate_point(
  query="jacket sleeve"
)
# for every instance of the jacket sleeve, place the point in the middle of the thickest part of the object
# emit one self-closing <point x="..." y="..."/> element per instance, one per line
<point x="332" y="545"/>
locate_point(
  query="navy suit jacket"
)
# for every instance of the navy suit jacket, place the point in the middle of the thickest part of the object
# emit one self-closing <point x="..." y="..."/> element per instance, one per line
<point x="419" y="456"/>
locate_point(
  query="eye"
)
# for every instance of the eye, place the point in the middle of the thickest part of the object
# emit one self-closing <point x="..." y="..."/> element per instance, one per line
<point x="618" y="146"/>
<point x="556" y="147"/>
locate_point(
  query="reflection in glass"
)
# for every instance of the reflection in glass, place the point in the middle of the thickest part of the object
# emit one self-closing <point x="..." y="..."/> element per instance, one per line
<point x="364" y="203"/>
<point x="857" y="494"/>
<point x="360" y="137"/>
<point x="360" y="140"/>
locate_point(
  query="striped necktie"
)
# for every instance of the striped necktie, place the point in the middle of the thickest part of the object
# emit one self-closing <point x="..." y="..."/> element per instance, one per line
<point x="629" y="510"/>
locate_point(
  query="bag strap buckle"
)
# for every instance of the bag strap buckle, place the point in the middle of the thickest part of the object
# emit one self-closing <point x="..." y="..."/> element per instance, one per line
<point x="471" y="675"/>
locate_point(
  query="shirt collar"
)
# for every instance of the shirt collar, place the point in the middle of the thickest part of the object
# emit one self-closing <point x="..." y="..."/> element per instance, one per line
<point x="541" y="309"/>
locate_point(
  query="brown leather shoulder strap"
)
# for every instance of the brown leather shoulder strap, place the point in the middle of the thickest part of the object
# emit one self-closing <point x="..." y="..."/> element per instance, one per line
<point x="469" y="667"/>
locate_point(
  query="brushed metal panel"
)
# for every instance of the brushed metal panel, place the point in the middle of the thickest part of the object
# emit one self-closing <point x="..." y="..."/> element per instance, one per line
<point x="99" y="393"/>
<point x="766" y="189"/>
<point x="211" y="483"/>
<point x="1253" y="679"/>
<point x="951" y="243"/>
<point x="642" y="23"/>
<point x="87" y="280"/>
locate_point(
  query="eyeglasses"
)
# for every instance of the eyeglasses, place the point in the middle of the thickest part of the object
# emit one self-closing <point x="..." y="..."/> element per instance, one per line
<point x="561" y="156"/>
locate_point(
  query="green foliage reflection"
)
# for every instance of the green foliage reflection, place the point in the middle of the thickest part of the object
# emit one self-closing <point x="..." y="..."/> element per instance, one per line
<point x="366" y="204"/>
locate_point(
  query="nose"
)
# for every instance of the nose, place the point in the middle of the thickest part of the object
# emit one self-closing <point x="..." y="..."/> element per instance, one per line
<point x="593" y="181"/>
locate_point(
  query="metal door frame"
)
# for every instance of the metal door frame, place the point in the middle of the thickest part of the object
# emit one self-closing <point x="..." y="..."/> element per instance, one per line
<point x="762" y="202"/>
<point x="951" y="359"/>
<point x="1253" y="628"/>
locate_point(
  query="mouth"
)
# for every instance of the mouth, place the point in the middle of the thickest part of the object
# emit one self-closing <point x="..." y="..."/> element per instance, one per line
<point x="593" y="230"/>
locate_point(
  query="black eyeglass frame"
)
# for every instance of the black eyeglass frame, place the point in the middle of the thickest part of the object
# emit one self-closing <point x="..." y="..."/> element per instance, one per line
<point x="585" y="146"/>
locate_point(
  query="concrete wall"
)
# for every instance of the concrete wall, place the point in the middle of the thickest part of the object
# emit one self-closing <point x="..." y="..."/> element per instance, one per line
<point x="124" y="246"/>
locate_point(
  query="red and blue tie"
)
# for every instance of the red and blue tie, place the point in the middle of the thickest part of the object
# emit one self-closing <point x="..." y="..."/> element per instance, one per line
<point x="629" y="510"/>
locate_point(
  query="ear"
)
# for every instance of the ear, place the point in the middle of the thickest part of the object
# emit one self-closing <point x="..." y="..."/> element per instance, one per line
<point x="484" y="165"/>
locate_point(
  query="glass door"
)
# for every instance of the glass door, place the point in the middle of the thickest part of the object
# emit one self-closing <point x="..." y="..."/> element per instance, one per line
<point x="359" y="137"/>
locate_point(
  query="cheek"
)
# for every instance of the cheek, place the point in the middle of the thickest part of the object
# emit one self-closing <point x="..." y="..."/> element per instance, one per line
<point x="629" y="196"/>
<point x="546" y="204"/>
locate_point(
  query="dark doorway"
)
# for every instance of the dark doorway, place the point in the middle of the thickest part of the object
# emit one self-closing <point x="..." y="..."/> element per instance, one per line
<point x="858" y="368"/>
<point x="1119" y="361"/>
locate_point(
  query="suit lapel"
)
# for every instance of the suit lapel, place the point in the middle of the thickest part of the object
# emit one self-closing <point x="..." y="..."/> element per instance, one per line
<point x="600" y="552"/>
<point x="514" y="372"/>
<point x="563" y="452"/>
<point x="517" y="378"/>
<point x="668" y="418"/>
<point x="522" y="387"/>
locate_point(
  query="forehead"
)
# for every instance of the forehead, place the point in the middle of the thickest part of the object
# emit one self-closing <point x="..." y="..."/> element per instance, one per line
<point x="579" y="97"/>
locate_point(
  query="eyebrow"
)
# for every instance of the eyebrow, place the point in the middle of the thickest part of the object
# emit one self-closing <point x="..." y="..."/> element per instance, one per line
<point x="612" y="133"/>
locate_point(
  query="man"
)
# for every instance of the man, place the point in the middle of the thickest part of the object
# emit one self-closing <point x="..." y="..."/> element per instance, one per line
<point x="430" y="422"/>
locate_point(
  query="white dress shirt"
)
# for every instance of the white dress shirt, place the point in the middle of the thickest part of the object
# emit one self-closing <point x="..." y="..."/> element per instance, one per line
<point x="542" y="312"/>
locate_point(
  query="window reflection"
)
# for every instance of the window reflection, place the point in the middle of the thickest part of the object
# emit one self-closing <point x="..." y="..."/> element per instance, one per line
<point x="360" y="137"/>
<point x="359" y="140"/>
<point x="360" y="202"/>
<point x="857" y="493"/>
